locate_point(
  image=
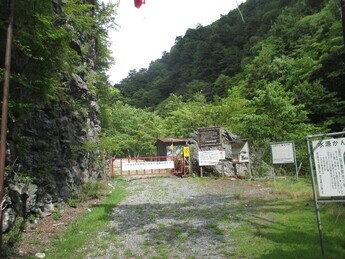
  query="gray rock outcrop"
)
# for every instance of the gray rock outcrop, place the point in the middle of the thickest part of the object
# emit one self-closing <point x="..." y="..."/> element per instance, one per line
<point x="54" y="149"/>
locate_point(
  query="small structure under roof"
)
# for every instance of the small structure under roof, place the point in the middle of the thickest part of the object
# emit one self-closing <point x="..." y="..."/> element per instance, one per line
<point x="170" y="146"/>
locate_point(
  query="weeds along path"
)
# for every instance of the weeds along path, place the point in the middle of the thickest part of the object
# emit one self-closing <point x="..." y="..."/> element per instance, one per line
<point x="171" y="217"/>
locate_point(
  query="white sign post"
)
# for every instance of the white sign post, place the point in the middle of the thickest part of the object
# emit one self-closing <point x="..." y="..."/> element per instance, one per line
<point x="329" y="159"/>
<point x="329" y="162"/>
<point x="210" y="157"/>
<point x="284" y="153"/>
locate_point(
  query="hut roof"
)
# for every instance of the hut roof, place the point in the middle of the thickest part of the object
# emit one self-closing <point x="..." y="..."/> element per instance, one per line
<point x="171" y="140"/>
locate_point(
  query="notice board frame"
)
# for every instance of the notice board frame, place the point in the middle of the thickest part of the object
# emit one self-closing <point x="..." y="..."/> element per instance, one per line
<point x="210" y="137"/>
<point x="317" y="200"/>
<point x="290" y="142"/>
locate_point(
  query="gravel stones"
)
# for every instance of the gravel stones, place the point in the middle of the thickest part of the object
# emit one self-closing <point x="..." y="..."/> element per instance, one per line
<point x="170" y="217"/>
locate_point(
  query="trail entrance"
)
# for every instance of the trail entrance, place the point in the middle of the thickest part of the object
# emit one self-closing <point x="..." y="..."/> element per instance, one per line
<point x="153" y="165"/>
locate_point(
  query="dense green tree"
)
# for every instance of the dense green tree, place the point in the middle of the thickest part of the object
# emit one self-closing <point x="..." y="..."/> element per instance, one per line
<point x="276" y="116"/>
<point x="186" y="117"/>
<point x="131" y="131"/>
<point x="229" y="111"/>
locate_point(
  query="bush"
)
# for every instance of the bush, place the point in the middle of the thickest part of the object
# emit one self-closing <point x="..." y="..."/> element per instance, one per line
<point x="90" y="190"/>
<point x="57" y="214"/>
<point x="72" y="203"/>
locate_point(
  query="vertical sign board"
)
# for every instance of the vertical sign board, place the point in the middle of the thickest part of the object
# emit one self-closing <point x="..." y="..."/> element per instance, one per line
<point x="283" y="153"/>
<point x="209" y="137"/>
<point x="329" y="160"/>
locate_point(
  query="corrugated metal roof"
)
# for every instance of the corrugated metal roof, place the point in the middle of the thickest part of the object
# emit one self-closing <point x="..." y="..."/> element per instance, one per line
<point x="171" y="140"/>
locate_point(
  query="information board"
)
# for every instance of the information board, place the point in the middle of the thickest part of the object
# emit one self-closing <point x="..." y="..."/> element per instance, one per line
<point x="209" y="136"/>
<point x="329" y="159"/>
<point x="210" y="157"/>
<point x="283" y="153"/>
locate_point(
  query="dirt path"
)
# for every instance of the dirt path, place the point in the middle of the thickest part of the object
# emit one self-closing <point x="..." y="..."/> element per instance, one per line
<point x="173" y="218"/>
<point x="36" y="238"/>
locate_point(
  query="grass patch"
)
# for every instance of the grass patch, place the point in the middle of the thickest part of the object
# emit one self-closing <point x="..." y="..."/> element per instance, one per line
<point x="283" y="225"/>
<point x="163" y="251"/>
<point x="86" y="227"/>
<point x="215" y="228"/>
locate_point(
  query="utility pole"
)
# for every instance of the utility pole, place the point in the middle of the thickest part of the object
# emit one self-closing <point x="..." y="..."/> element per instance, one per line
<point x="4" y="114"/>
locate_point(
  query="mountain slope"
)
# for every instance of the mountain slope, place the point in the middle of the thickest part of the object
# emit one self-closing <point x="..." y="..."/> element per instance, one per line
<point x="203" y="54"/>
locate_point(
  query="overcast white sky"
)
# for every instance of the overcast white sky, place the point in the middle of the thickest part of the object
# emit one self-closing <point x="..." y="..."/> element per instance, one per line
<point x="146" y="32"/>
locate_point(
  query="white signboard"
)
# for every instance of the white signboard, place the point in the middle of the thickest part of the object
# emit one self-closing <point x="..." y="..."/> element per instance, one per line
<point x="147" y="165"/>
<point x="210" y="157"/>
<point x="329" y="156"/>
<point x="283" y="153"/>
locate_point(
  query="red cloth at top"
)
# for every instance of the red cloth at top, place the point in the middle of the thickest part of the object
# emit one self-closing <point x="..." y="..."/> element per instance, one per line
<point x="138" y="3"/>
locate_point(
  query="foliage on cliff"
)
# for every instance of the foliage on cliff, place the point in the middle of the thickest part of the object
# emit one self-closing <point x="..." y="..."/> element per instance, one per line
<point x="59" y="54"/>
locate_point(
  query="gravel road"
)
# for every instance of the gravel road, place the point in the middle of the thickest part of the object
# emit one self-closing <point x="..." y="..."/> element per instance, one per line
<point x="170" y="217"/>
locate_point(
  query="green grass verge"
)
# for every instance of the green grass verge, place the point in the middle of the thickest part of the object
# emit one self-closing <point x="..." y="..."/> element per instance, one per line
<point x="87" y="226"/>
<point x="283" y="225"/>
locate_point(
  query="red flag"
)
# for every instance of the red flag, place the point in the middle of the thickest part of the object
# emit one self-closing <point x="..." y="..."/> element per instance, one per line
<point x="138" y="3"/>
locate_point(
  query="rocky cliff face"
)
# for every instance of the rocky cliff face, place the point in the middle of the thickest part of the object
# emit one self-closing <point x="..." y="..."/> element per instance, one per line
<point x="55" y="148"/>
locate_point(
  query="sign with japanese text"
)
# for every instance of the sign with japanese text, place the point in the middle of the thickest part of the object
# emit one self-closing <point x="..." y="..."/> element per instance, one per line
<point x="329" y="159"/>
<point x="283" y="153"/>
<point x="209" y="136"/>
<point x="147" y="165"/>
<point x="210" y="157"/>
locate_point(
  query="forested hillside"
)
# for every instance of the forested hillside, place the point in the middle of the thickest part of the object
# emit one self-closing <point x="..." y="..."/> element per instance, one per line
<point x="286" y="30"/>
<point x="278" y="75"/>
<point x="202" y="54"/>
